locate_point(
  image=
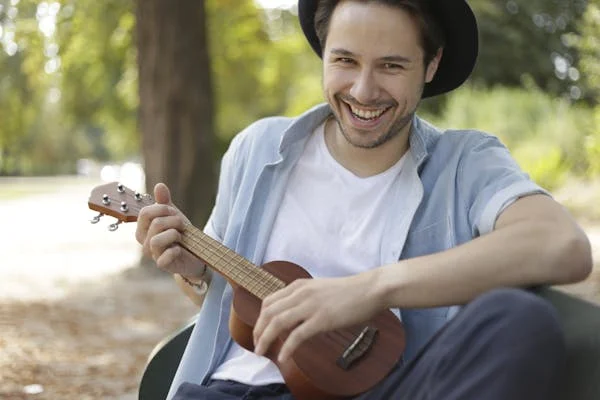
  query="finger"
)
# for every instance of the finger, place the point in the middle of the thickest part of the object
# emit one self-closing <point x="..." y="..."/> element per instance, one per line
<point x="271" y="307"/>
<point x="162" y="194"/>
<point x="277" y="326"/>
<point x="159" y="225"/>
<point x="169" y="256"/>
<point x="283" y="293"/>
<point x="162" y="241"/>
<point x="298" y="336"/>
<point x="165" y="223"/>
<point x="276" y="304"/>
<point x="147" y="215"/>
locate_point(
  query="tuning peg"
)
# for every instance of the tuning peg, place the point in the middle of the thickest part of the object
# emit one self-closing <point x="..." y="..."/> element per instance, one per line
<point x="113" y="227"/>
<point x="96" y="219"/>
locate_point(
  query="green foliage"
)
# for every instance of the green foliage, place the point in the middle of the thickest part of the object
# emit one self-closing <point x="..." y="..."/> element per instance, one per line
<point x="525" y="39"/>
<point x="99" y="74"/>
<point x="32" y="139"/>
<point x="588" y="44"/>
<point x="592" y="145"/>
<point x="543" y="161"/>
<point x="72" y="92"/>
<point x="546" y="135"/>
<point x="239" y="50"/>
<point x="261" y="65"/>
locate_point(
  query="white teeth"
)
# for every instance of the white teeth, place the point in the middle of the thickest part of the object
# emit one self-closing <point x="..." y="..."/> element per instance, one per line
<point x="367" y="114"/>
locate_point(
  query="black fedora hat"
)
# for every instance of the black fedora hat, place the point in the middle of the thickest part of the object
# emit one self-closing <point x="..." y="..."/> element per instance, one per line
<point x="459" y="25"/>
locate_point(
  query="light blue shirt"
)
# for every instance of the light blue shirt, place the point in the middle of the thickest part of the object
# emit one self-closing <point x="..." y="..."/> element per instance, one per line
<point x="453" y="187"/>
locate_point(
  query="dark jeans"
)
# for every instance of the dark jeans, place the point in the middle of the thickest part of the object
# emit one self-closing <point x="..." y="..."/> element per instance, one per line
<point x="506" y="344"/>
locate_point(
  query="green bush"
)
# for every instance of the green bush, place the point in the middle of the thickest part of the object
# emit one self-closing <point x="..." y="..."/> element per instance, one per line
<point x="550" y="138"/>
<point x="592" y="146"/>
<point x="544" y="163"/>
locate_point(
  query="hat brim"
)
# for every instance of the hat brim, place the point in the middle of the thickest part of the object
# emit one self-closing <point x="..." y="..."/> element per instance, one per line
<point x="456" y="19"/>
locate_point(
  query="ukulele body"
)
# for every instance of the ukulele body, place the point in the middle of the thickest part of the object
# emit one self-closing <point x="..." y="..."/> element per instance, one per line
<point x="313" y="373"/>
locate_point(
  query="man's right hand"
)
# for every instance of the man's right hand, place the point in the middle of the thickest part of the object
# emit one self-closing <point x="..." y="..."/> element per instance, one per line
<point x="159" y="231"/>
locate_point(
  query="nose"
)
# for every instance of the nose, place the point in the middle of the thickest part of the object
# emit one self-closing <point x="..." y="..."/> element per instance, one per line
<point x="365" y="88"/>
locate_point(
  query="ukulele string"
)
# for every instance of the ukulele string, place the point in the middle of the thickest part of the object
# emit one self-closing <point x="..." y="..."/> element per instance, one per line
<point x="222" y="260"/>
<point x="257" y="281"/>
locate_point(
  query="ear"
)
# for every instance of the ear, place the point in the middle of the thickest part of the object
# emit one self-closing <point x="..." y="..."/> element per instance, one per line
<point x="433" y="65"/>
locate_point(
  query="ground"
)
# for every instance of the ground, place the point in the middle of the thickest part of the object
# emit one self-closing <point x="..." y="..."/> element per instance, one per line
<point x="79" y="319"/>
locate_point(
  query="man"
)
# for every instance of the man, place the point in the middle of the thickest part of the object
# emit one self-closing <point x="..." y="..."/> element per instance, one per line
<point x="386" y="212"/>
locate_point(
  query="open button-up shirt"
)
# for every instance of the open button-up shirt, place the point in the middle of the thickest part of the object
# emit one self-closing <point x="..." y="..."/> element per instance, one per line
<point x="459" y="182"/>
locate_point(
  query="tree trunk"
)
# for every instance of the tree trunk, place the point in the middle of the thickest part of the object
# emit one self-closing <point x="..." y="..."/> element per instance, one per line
<point x="176" y="104"/>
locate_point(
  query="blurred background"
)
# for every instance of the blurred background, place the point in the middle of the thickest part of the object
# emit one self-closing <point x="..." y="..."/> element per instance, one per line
<point x="142" y="91"/>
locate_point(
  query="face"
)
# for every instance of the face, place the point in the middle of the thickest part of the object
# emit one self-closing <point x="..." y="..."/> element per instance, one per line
<point x="373" y="72"/>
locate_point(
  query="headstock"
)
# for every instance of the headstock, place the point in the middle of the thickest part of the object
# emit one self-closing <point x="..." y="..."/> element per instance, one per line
<point x="118" y="201"/>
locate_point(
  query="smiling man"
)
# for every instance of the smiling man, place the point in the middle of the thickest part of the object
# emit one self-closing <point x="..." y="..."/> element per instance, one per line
<point x="386" y="212"/>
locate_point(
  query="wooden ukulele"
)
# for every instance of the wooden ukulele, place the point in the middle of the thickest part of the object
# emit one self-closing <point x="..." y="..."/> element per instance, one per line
<point x="330" y="365"/>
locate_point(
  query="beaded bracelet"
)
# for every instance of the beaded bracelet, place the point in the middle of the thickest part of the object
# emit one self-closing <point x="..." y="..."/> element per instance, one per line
<point x="199" y="288"/>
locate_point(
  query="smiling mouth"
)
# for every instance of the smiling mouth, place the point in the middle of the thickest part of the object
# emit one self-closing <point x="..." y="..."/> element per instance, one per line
<point x="367" y="115"/>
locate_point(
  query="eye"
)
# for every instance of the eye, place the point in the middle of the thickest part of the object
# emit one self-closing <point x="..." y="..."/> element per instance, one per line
<point x="345" y="60"/>
<point x="393" y="67"/>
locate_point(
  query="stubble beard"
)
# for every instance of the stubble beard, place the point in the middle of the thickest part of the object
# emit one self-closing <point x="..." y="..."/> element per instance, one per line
<point x="397" y="127"/>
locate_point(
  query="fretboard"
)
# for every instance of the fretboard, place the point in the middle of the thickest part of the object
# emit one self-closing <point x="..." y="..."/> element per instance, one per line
<point x="228" y="263"/>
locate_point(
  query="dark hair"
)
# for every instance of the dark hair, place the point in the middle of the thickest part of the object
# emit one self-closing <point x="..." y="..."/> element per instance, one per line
<point x="432" y="36"/>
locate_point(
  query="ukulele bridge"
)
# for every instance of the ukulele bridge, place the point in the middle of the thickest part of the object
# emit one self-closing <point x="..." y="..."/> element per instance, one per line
<point x="358" y="348"/>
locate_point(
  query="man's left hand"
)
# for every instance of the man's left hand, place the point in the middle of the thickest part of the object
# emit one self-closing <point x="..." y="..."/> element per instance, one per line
<point x="310" y="306"/>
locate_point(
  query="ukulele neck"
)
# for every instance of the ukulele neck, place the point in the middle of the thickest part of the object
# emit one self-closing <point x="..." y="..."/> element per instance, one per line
<point x="235" y="268"/>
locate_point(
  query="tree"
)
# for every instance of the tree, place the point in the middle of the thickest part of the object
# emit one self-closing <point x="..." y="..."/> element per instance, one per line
<point x="176" y="106"/>
<point x="588" y="44"/>
<point x="98" y="75"/>
<point x="15" y="112"/>
<point x="32" y="135"/>
<point x="525" y="38"/>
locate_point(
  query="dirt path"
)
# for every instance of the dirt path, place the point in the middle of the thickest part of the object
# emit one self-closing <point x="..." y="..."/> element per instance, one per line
<point x="92" y="343"/>
<point x="73" y="324"/>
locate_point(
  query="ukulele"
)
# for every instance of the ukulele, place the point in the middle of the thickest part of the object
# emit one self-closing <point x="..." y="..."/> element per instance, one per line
<point x="330" y="365"/>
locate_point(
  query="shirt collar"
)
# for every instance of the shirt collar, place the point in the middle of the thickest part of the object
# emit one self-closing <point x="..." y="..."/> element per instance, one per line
<point x="301" y="127"/>
<point x="422" y="138"/>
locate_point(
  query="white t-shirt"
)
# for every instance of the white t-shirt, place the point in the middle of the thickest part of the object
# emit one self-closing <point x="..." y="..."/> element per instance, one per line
<point x="331" y="223"/>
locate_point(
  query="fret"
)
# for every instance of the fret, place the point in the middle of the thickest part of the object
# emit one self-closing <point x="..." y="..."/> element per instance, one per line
<point x="230" y="264"/>
<point x="264" y="292"/>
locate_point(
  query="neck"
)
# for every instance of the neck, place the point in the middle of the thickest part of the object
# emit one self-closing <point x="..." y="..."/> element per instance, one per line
<point x="236" y="269"/>
<point x="365" y="162"/>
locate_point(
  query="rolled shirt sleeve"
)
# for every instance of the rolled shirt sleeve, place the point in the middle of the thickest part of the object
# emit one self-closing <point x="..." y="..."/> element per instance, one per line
<point x="493" y="181"/>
